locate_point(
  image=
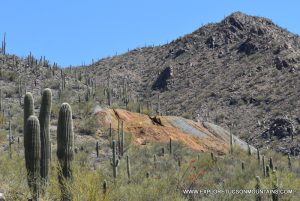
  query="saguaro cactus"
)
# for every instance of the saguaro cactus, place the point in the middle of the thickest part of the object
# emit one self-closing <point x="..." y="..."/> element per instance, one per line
<point x="258" y="156"/>
<point x="170" y="146"/>
<point x="115" y="161"/>
<point x="28" y="111"/>
<point x="271" y="165"/>
<point x="65" y="147"/>
<point x="119" y="138"/>
<point x="10" y="140"/>
<point x="122" y="138"/>
<point x="128" y="168"/>
<point x="258" y="187"/>
<point x="104" y="187"/>
<point x="1" y="103"/>
<point x="263" y="164"/>
<point x="97" y="149"/>
<point x="267" y="171"/>
<point x="33" y="154"/>
<point x="275" y="196"/>
<point x="44" y="118"/>
<point x="231" y="143"/>
<point x="289" y="162"/>
<point x="249" y="150"/>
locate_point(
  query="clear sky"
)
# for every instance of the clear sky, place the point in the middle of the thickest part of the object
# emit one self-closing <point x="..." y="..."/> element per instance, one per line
<point x="71" y="32"/>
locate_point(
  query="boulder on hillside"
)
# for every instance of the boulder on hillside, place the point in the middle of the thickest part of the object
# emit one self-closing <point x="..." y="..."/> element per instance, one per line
<point x="281" y="128"/>
<point x="161" y="82"/>
<point x="247" y="47"/>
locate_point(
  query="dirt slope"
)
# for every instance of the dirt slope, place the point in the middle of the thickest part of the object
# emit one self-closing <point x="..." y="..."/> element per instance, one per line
<point x="199" y="136"/>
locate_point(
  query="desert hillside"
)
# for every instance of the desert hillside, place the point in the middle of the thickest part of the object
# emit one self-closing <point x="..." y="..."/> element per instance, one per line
<point x="241" y="73"/>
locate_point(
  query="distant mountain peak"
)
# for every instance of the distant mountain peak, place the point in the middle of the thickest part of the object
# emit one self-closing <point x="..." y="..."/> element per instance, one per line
<point x="242" y="18"/>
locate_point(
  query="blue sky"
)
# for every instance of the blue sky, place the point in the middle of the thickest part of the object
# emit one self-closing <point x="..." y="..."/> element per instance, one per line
<point x="72" y="32"/>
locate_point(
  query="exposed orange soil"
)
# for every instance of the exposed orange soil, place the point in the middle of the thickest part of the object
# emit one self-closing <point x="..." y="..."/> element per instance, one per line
<point x="144" y="130"/>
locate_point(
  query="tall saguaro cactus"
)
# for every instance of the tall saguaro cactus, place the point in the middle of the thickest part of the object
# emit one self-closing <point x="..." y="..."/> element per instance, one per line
<point x="170" y="146"/>
<point x="33" y="154"/>
<point x="28" y="111"/>
<point x="258" y="187"/>
<point x="10" y="140"/>
<point x="115" y="161"/>
<point x="65" y="147"/>
<point x="3" y="47"/>
<point x="231" y="143"/>
<point x="1" y="103"/>
<point x="44" y="119"/>
<point x="128" y="168"/>
<point x="122" y="138"/>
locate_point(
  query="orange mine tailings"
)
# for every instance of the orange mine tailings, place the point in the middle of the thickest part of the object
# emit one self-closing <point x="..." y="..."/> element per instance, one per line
<point x="145" y="128"/>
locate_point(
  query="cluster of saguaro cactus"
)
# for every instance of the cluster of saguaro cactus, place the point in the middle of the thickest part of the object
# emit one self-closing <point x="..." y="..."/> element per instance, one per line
<point x="65" y="148"/>
<point x="115" y="160"/>
<point x="37" y="142"/>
